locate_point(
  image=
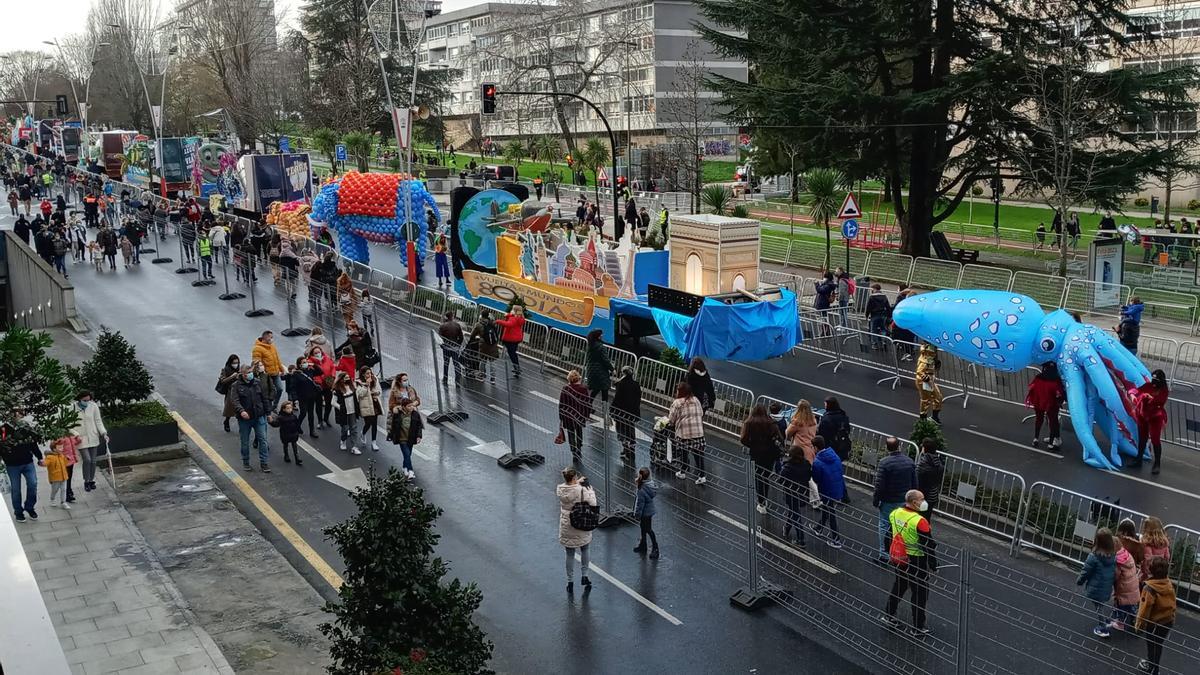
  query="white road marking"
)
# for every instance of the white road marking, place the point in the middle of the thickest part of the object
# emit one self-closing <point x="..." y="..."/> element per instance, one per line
<point x="544" y="397"/>
<point x="389" y="356"/>
<point x="776" y="543"/>
<point x="520" y="419"/>
<point x="347" y="479"/>
<point x="487" y="449"/>
<point x="1030" y="448"/>
<point x="1185" y="493"/>
<point x="631" y="593"/>
<point x="824" y="387"/>
<point x="464" y="433"/>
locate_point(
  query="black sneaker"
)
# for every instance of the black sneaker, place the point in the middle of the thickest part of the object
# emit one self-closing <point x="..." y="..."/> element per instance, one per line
<point x="246" y="466"/>
<point x="587" y="583"/>
<point x="264" y="468"/>
<point x="20" y="517"/>
<point x="32" y="514"/>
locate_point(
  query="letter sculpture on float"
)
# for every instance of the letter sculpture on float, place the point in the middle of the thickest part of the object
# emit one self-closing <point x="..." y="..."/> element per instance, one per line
<point x="1010" y="332"/>
<point x="362" y="207"/>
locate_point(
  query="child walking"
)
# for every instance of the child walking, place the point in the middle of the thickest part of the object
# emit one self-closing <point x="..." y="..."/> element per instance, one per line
<point x="56" y="471"/>
<point x="366" y="305"/>
<point x="1125" y="587"/>
<point x="1156" y="613"/>
<point x="644" y="508"/>
<point x="288" y="422"/>
<point x="1097" y="578"/>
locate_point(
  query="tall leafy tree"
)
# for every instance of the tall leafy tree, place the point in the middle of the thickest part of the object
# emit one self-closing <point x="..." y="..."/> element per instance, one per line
<point x="35" y="385"/>
<point x="921" y="93"/>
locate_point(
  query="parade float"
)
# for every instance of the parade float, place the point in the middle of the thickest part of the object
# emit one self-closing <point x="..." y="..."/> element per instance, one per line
<point x="699" y="291"/>
<point x="384" y="208"/>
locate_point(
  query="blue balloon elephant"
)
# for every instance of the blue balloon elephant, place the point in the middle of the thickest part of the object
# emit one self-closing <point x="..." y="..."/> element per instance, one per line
<point x="354" y="226"/>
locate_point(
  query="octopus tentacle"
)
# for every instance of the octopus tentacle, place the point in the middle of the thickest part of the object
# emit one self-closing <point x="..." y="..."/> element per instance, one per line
<point x="1113" y="399"/>
<point x="1127" y="365"/>
<point x="1081" y="414"/>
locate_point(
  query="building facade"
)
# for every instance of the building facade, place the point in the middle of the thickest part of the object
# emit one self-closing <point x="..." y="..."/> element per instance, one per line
<point x="635" y="60"/>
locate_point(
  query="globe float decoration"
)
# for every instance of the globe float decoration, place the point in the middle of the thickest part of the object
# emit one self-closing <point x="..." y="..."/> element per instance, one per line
<point x="370" y="207"/>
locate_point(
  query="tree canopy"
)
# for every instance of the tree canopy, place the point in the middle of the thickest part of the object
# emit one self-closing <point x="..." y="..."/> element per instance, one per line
<point x="931" y="97"/>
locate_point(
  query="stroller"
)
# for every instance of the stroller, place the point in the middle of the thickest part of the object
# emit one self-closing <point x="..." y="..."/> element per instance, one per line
<point x="660" y="451"/>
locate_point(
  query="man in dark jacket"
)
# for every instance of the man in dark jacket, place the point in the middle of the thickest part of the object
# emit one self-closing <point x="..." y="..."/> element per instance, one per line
<point x="22" y="229"/>
<point x="252" y="407"/>
<point x="931" y="469"/>
<point x="878" y="310"/>
<point x="19" y="462"/>
<point x="835" y="426"/>
<point x="452" y="341"/>
<point x="895" y="476"/>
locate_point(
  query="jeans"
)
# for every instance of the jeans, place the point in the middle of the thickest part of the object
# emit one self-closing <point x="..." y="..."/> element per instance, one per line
<point x="885" y="526"/>
<point x="88" y="457"/>
<point x="448" y="356"/>
<point x="29" y="473"/>
<point x="829" y="514"/>
<point x="406" y="450"/>
<point x="1102" y="614"/>
<point x="914" y="576"/>
<point x="308" y="411"/>
<point x="512" y="355"/>
<point x="762" y="480"/>
<point x="647" y="528"/>
<point x="696" y="447"/>
<point x="277" y="382"/>
<point x="349" y="430"/>
<point x="60" y="264"/>
<point x="878" y="329"/>
<point x="205" y="265"/>
<point x="583" y="556"/>
<point x="259" y="426"/>
<point x="1156" y="635"/>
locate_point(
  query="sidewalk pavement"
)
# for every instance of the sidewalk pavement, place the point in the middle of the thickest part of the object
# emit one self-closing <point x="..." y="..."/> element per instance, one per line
<point x="114" y="607"/>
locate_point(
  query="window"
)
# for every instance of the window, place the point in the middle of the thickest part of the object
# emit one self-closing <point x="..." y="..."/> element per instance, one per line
<point x="739" y="282"/>
<point x="694" y="278"/>
<point x="639" y="104"/>
<point x="436" y="32"/>
<point x="643" y="13"/>
<point x="637" y="74"/>
<point x="645" y="43"/>
<point x="481" y="21"/>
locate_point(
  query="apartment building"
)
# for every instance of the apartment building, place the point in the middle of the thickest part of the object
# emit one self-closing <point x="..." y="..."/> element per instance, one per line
<point x="631" y="58"/>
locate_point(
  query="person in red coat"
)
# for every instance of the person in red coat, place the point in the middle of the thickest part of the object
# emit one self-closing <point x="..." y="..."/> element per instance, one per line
<point x="512" y="332"/>
<point x="574" y="411"/>
<point x="1150" y="411"/>
<point x="1045" y="396"/>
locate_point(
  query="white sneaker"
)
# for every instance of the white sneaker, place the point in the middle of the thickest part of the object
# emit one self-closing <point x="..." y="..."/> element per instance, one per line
<point x="702" y="480"/>
<point x="342" y="445"/>
<point x="65" y="506"/>
<point x="761" y="509"/>
<point x="355" y="451"/>
<point x="680" y="475"/>
<point x="374" y="446"/>
<point x="412" y="474"/>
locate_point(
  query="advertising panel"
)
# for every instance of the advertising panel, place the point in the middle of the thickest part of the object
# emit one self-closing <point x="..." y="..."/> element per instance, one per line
<point x="1107" y="271"/>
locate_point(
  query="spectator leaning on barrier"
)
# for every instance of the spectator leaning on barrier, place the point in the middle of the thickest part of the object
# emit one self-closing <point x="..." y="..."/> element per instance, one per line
<point x="895" y="476"/>
<point x="701" y="383"/>
<point x="1125" y="588"/>
<point x="931" y="470"/>
<point x="451" y="333"/>
<point x="912" y="552"/>
<point x="1097" y="577"/>
<point x="878" y="311"/>
<point x="763" y="440"/>
<point x="795" y="477"/>
<point x="598" y="368"/>
<point x="835" y="427"/>
<point x="1156" y="613"/>
<point x="626" y="411"/>
<point x="686" y="415"/>
<point x="802" y="428"/>
<point x="1155" y="544"/>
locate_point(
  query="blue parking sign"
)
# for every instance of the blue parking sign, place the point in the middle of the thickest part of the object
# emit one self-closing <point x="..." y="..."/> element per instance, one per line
<point x="850" y="229"/>
<point x="284" y="144"/>
<point x="339" y="152"/>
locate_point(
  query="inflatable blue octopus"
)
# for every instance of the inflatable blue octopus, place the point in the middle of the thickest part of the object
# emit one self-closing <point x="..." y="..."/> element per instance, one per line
<point x="1008" y="331"/>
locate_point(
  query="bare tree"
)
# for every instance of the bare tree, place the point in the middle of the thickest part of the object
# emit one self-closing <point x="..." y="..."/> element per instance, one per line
<point x="23" y="72"/>
<point x="688" y="116"/>
<point x="129" y="26"/>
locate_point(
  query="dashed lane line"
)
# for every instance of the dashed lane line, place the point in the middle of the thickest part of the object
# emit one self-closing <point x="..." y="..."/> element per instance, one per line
<point x="632" y="593"/>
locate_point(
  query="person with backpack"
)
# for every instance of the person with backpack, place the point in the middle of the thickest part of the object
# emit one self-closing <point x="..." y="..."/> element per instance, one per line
<point x="894" y="478"/>
<point x="452" y="345"/>
<point x="575" y="523"/>
<point x="835" y="425"/>
<point x="483" y="346"/>
<point x="912" y="554"/>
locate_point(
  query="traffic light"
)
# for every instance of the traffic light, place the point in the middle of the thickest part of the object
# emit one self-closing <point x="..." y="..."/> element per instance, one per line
<point x="488" y="96"/>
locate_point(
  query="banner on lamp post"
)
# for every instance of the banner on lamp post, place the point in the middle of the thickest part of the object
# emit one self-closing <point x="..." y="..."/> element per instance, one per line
<point x="156" y="117"/>
<point x="402" y="123"/>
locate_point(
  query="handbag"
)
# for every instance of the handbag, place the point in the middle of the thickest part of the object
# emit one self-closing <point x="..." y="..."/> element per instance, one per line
<point x="814" y="494"/>
<point x="584" y="516"/>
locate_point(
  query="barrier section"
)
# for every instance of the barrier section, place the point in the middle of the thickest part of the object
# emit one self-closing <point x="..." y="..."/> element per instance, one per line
<point x="877" y="352"/>
<point x="934" y="273"/>
<point x="981" y="496"/>
<point x="1187" y="364"/>
<point x="774" y="249"/>
<point x="564" y="351"/>
<point x="1185" y="569"/>
<point x="401" y="293"/>
<point x="867" y="447"/>
<point x="781" y="279"/>
<point x="533" y="345"/>
<point x="465" y="311"/>
<point x="1047" y="290"/>
<point x="658" y="381"/>
<point x="619" y="358"/>
<point x="807" y="253"/>
<point x="819" y="337"/>
<point x="1093" y="297"/>
<point x="428" y="303"/>
<point x="359" y="273"/>
<point x="892" y="267"/>
<point x="985" y="277"/>
<point x="1158" y="352"/>
<point x="1170" y="308"/>
<point x="1183" y="424"/>
<point x="1063" y="523"/>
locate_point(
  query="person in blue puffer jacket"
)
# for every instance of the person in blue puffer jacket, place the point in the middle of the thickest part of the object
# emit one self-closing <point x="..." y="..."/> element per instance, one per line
<point x="1099" y="573"/>
<point x="831" y="484"/>
<point x="644" y="508"/>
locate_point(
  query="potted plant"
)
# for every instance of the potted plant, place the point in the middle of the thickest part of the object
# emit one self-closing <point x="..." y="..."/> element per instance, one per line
<point x="120" y="383"/>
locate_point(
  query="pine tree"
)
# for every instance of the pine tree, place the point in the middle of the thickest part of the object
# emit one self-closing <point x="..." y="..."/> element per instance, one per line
<point x="36" y="385"/>
<point x="114" y="375"/>
<point x="395" y="602"/>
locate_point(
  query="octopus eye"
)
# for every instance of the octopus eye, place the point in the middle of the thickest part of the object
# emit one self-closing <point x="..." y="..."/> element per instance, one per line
<point x="1048" y="344"/>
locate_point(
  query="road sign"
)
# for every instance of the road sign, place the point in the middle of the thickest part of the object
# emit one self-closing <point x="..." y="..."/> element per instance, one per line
<point x="850" y="207"/>
<point x="402" y="125"/>
<point x="339" y="152"/>
<point x="850" y="229"/>
<point x="285" y="145"/>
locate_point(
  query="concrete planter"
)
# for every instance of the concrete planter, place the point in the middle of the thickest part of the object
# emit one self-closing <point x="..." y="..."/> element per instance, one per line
<point x="135" y="438"/>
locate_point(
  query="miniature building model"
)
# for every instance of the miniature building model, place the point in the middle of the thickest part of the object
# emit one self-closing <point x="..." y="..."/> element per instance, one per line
<point x="714" y="254"/>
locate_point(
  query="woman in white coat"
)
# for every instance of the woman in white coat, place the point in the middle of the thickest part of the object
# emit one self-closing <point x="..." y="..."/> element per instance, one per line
<point x="90" y="429"/>
<point x="571" y="491"/>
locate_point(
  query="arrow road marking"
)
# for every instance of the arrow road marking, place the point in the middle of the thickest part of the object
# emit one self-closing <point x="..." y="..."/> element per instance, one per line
<point x="347" y="479"/>
<point x="776" y="543"/>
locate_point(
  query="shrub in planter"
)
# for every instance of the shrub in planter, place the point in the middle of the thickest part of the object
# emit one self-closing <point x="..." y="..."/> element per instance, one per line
<point x="121" y="384"/>
<point x="927" y="428"/>
<point x="976" y="190"/>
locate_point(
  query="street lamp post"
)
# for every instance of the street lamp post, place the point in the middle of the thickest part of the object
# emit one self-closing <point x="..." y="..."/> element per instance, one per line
<point x="80" y="105"/>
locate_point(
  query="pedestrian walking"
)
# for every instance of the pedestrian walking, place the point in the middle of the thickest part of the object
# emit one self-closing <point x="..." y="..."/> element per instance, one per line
<point x="894" y="477"/>
<point x="830" y="478"/>
<point x="1150" y="413"/>
<point x="265" y="351"/>
<point x="795" y="479"/>
<point x="90" y="430"/>
<point x="574" y="411"/>
<point x="512" y="333"/>
<point x="483" y="347"/>
<point x="1125" y="589"/>
<point x="70" y="450"/>
<point x="598" y="366"/>
<point x="1155" y="544"/>
<point x="574" y="490"/>
<point x="802" y="429"/>
<point x="763" y="442"/>
<point x="305" y="386"/>
<point x="405" y="429"/>
<point x="1156" y="614"/>
<point x="928" y="365"/>
<point x="645" y="506"/>
<point x="1046" y="396"/>
<point x="1099" y="572"/>
<point x="370" y="403"/>
<point x="701" y="383"/>
<point x="402" y="388"/>
<point x="451" y="333"/>
<point x="1040" y="237"/>
<point x="289" y="425"/>
<point x="346" y="412"/>
<point x="366" y="307"/>
<point x="126" y="251"/>
<point x="228" y="375"/>
<point x="912" y="552"/>
<point x="835" y="428"/>
<point x="252" y="405"/>
<point x="627" y="412"/>
<point x="878" y="312"/>
<point x="19" y="458"/>
<point x="931" y="471"/>
<point x="55" y="462"/>
<point x="686" y="415"/>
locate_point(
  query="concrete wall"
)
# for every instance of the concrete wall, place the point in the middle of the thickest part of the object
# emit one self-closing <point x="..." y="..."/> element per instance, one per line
<point x="38" y="296"/>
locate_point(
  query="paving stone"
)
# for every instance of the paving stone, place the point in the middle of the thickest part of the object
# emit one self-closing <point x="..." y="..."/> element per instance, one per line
<point x="60" y="606"/>
<point x="196" y="662"/>
<point x="82" y="626"/>
<point x="114" y="664"/>
<point x="124" y="619"/>
<point x="135" y="644"/>
<point x="102" y="636"/>
<point x="90" y="612"/>
<point x="157" y="668"/>
<point x="85" y="654"/>
<point x="79" y="590"/>
<point x="176" y="646"/>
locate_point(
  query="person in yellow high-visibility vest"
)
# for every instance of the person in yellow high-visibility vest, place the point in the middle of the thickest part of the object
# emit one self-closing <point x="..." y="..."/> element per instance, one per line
<point x="912" y="556"/>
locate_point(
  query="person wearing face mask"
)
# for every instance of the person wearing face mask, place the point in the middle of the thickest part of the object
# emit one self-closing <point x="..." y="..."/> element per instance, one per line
<point x="252" y="406"/>
<point x="90" y="430"/>
<point x="912" y="555"/>
<point x="326" y="370"/>
<point x="402" y="388"/>
<point x="225" y="382"/>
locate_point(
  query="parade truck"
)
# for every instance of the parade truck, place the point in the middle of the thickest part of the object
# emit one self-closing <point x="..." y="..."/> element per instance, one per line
<point x="266" y="179"/>
<point x="112" y="151"/>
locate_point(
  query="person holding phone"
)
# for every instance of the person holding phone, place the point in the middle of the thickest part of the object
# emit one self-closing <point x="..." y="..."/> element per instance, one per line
<point x="571" y="491"/>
